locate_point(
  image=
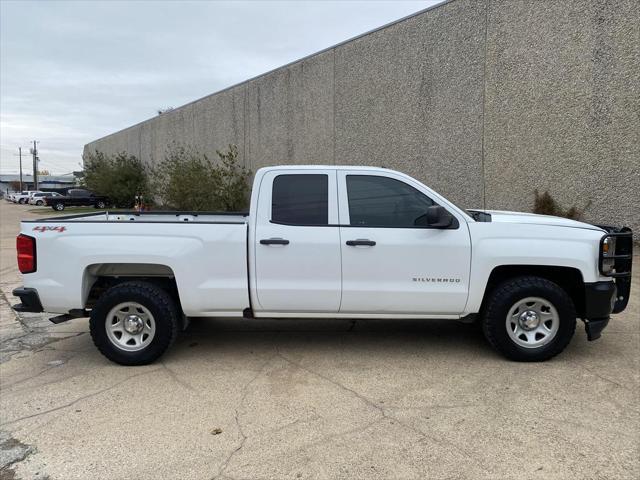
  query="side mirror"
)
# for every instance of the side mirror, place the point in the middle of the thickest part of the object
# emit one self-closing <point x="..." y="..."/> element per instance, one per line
<point x="438" y="217"/>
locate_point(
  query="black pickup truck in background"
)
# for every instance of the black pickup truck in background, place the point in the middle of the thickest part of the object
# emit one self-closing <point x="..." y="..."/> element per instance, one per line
<point x="77" y="197"/>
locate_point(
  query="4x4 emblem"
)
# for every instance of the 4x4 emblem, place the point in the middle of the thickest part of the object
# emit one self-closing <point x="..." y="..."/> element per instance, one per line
<point x="57" y="228"/>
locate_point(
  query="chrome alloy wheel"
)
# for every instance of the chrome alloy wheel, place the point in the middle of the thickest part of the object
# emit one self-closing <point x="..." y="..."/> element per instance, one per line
<point x="130" y="326"/>
<point x="532" y="322"/>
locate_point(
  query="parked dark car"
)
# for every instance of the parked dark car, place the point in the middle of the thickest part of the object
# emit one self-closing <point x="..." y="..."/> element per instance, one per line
<point x="77" y="197"/>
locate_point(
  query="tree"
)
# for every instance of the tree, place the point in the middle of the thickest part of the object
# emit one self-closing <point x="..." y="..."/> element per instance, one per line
<point x="120" y="177"/>
<point x="183" y="180"/>
<point x="233" y="181"/>
<point x="188" y="180"/>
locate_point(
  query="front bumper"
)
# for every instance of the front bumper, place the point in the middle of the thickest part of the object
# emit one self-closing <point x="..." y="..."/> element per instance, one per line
<point x="622" y="259"/>
<point x="30" y="301"/>
<point x="599" y="301"/>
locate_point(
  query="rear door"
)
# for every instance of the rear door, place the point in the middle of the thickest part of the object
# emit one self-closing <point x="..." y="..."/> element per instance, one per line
<point x="79" y="197"/>
<point x="73" y="197"/>
<point x="86" y="198"/>
<point x="390" y="263"/>
<point x="297" y="242"/>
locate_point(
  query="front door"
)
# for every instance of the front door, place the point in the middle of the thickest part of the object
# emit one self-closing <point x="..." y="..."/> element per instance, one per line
<point x="297" y="242"/>
<point x="390" y="265"/>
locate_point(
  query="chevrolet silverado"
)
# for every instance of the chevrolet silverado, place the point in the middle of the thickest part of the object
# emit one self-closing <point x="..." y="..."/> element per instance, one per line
<point x="326" y="242"/>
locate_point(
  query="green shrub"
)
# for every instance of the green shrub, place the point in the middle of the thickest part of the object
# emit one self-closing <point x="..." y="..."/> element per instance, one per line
<point x="545" y="204"/>
<point x="189" y="180"/>
<point x="233" y="181"/>
<point x="120" y="177"/>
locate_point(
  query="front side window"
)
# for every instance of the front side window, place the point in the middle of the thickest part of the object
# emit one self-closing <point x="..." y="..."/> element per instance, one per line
<point x="300" y="199"/>
<point x="385" y="202"/>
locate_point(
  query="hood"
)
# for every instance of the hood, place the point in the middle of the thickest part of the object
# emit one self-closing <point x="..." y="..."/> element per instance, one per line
<point x="535" y="219"/>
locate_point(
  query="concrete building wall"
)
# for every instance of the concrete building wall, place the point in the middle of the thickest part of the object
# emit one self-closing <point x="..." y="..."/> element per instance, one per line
<point x="484" y="100"/>
<point x="562" y="106"/>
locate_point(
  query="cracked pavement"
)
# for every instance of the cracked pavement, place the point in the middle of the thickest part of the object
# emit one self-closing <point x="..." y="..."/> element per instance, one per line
<point x="312" y="399"/>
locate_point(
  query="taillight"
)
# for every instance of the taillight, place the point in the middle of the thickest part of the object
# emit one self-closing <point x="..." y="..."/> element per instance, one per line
<point x="26" y="247"/>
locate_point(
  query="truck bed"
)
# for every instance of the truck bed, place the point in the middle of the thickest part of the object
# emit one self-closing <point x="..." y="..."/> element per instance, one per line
<point x="146" y="217"/>
<point x="207" y="256"/>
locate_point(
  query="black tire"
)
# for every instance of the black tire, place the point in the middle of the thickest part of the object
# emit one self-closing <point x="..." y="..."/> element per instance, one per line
<point x="39" y="203"/>
<point x="100" y="204"/>
<point x="21" y="201"/>
<point x="156" y="300"/>
<point x="505" y="296"/>
<point x="58" y="206"/>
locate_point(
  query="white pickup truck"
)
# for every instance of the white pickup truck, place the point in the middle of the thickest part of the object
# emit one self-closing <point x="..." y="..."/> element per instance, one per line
<point x="326" y="242"/>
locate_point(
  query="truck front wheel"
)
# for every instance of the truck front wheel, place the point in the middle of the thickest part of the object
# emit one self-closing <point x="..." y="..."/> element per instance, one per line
<point x="58" y="206"/>
<point x="134" y="323"/>
<point x="529" y="319"/>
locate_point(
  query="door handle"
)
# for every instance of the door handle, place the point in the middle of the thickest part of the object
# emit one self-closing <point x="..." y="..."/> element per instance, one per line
<point x="361" y="241"/>
<point x="274" y="241"/>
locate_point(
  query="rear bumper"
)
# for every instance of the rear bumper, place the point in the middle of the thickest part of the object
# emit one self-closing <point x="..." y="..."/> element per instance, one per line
<point x="599" y="302"/>
<point x="30" y="301"/>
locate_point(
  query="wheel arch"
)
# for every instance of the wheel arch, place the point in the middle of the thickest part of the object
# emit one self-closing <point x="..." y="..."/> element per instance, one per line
<point x="99" y="277"/>
<point x="568" y="278"/>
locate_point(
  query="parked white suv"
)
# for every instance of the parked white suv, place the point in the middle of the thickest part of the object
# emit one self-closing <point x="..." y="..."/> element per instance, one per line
<point x="39" y="198"/>
<point x="327" y="242"/>
<point x="23" y="197"/>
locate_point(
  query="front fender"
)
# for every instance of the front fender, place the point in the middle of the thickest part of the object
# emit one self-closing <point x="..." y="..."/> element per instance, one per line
<point x="535" y="245"/>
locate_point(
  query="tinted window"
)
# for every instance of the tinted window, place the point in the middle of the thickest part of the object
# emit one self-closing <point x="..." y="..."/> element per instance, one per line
<point x="300" y="199"/>
<point x="79" y="193"/>
<point x="385" y="202"/>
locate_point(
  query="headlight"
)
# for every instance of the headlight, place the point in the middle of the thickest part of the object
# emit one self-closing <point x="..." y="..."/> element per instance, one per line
<point x="608" y="250"/>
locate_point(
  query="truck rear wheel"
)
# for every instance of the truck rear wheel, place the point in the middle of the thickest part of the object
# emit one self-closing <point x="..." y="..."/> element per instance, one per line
<point x="529" y="319"/>
<point x="134" y="323"/>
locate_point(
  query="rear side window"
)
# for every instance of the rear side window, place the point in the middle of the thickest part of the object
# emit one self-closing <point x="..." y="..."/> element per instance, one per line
<point x="385" y="202"/>
<point x="300" y="199"/>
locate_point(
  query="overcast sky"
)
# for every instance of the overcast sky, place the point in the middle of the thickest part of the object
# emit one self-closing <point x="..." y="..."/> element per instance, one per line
<point x="71" y="72"/>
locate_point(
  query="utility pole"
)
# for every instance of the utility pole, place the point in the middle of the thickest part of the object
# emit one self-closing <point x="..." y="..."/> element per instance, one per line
<point x="20" y="155"/>
<point x="34" y="152"/>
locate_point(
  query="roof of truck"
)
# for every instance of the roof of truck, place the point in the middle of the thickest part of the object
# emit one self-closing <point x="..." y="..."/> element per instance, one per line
<point x="324" y="167"/>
